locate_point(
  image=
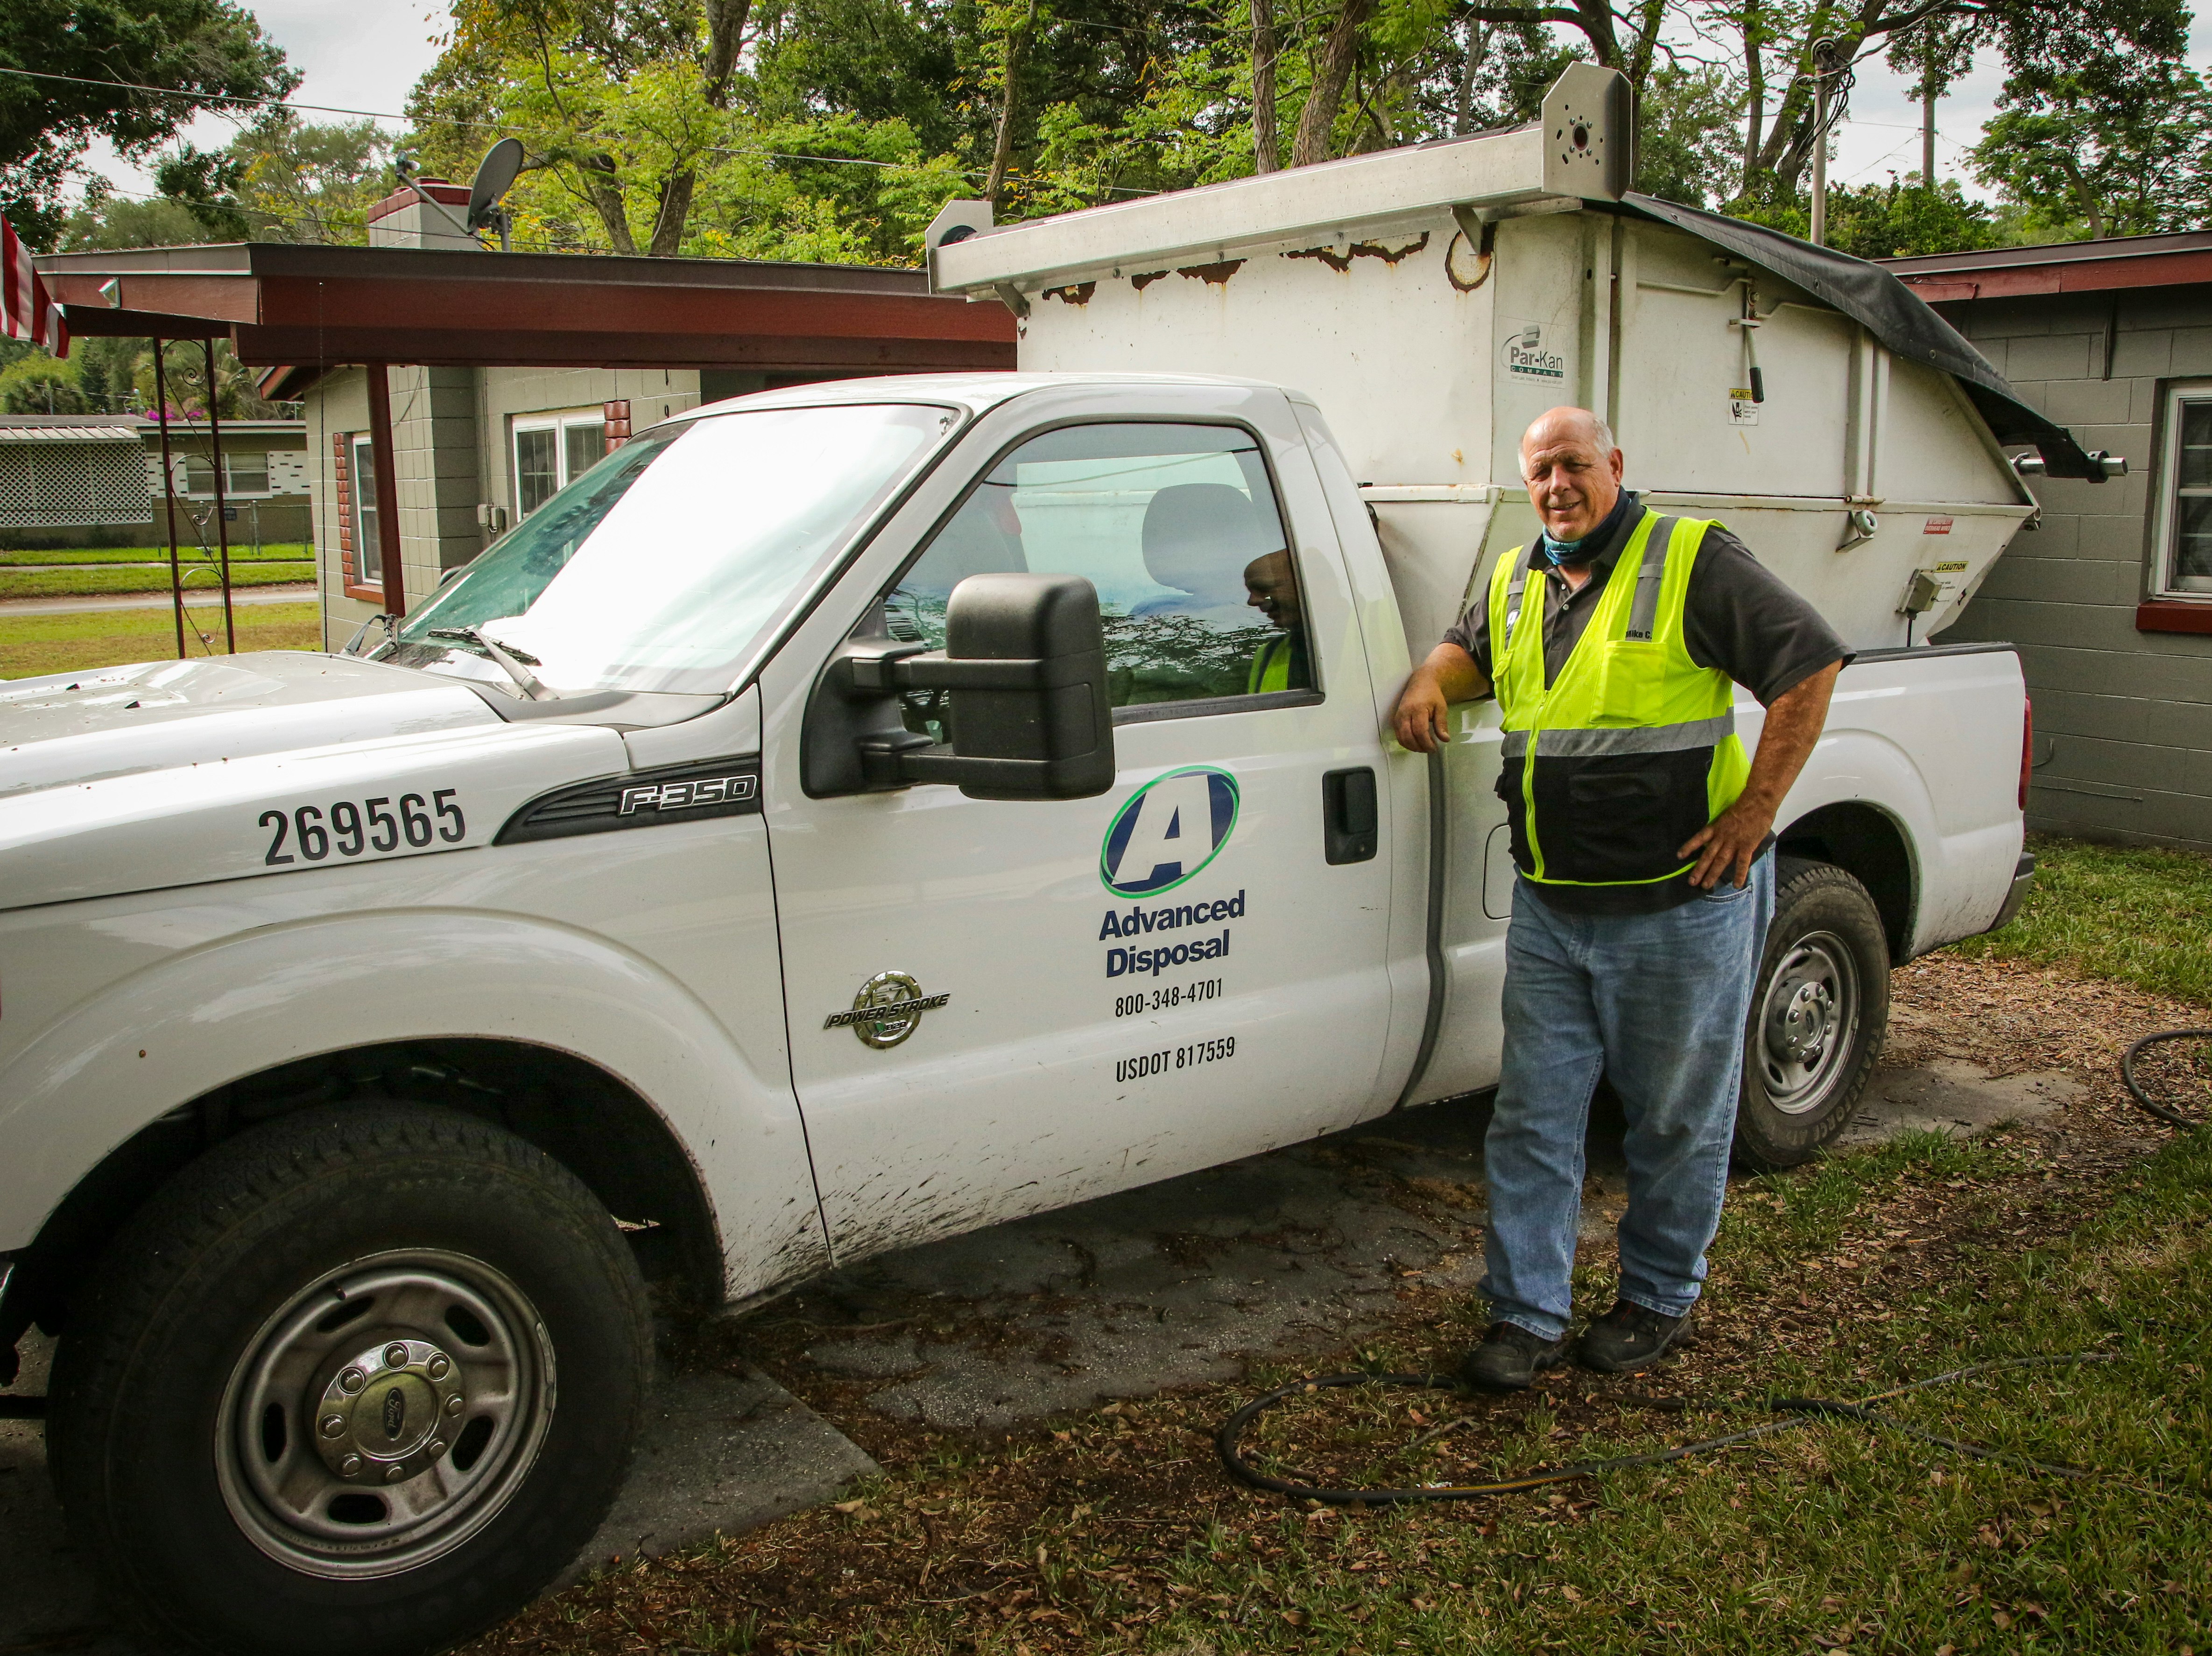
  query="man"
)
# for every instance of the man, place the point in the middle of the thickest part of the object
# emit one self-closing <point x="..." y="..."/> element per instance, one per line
<point x="1642" y="833"/>
<point x="1272" y="581"/>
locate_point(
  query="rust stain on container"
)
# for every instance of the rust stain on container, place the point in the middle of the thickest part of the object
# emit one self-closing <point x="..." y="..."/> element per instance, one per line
<point x="1483" y="258"/>
<point x="1076" y="293"/>
<point x="1218" y="273"/>
<point x="1340" y="262"/>
<point x="1145" y="278"/>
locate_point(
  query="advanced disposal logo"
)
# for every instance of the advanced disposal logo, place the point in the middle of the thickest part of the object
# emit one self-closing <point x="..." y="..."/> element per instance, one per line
<point x="1171" y="827"/>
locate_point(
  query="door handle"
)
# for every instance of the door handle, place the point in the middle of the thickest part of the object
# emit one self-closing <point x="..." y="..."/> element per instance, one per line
<point x="1348" y="815"/>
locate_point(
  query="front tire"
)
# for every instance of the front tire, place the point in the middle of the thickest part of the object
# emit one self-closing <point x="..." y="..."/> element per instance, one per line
<point x="356" y="1383"/>
<point x="1819" y="1011"/>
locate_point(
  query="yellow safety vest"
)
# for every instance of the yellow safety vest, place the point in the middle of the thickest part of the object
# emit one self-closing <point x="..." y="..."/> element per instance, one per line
<point x="1611" y="769"/>
<point x="1271" y="667"/>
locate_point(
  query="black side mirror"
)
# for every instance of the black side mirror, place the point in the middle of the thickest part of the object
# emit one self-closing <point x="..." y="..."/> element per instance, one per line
<point x="1025" y="667"/>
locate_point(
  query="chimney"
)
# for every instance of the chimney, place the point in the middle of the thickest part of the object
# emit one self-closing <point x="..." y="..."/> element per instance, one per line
<point x="403" y="220"/>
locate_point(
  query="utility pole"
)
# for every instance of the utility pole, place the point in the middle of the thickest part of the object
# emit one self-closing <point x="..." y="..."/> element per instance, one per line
<point x="1820" y="228"/>
<point x="1831" y="85"/>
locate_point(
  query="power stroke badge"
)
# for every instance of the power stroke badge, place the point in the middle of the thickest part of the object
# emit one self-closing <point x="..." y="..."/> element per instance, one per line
<point x="888" y="1009"/>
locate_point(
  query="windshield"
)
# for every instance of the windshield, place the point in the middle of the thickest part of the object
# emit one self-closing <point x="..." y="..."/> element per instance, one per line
<point x="658" y="568"/>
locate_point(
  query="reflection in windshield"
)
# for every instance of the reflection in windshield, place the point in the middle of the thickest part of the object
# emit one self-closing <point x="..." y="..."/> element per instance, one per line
<point x="660" y="566"/>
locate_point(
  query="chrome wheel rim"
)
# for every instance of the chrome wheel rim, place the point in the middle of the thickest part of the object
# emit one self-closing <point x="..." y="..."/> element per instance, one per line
<point x="1808" y="1021"/>
<point x="385" y="1414"/>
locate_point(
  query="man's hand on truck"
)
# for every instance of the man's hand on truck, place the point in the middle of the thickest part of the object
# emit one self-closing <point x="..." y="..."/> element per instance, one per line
<point x="1731" y="841"/>
<point x="1423" y="718"/>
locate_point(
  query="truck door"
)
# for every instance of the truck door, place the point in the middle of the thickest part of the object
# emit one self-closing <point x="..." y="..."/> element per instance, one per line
<point x="998" y="1007"/>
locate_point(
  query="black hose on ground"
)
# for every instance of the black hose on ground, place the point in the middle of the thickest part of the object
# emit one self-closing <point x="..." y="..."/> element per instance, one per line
<point x="1798" y="1411"/>
<point x="2144" y="1102"/>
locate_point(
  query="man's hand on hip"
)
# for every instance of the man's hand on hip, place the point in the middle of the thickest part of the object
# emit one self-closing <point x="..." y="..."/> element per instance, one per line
<point x="1729" y="842"/>
<point x="1422" y="719"/>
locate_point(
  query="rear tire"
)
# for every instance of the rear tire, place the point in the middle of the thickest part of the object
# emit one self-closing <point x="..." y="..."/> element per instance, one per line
<point x="357" y="1383"/>
<point x="1819" y="1011"/>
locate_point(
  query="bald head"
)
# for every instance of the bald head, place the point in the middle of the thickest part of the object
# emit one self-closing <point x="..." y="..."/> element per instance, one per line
<point x="1572" y="467"/>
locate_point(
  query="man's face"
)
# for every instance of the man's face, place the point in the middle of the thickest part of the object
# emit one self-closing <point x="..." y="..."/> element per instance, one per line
<point x="1272" y="584"/>
<point x="1571" y="482"/>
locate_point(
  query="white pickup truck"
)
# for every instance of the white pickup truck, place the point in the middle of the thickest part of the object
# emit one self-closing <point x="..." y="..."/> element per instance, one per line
<point x="844" y="818"/>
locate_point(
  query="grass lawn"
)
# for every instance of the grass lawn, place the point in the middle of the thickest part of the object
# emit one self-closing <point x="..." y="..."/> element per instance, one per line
<point x="1114" y="1529"/>
<point x="34" y="643"/>
<point x="145" y="578"/>
<point x="272" y="551"/>
<point x="2139" y="915"/>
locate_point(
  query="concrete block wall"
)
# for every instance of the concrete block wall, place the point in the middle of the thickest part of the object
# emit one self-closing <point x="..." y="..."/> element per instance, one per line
<point x="2122" y="719"/>
<point x="434" y="445"/>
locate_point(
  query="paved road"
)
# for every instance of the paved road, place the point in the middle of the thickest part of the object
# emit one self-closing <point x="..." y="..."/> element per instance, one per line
<point x="197" y="597"/>
<point x="1192" y="1279"/>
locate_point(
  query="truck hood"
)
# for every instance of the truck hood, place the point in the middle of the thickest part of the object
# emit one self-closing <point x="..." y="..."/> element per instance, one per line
<point x="74" y="728"/>
<point x="178" y="773"/>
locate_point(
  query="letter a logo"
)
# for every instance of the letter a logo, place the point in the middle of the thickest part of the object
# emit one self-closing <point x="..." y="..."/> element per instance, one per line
<point x="1169" y="829"/>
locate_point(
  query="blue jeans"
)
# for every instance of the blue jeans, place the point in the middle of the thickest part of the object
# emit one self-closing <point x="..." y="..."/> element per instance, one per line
<point x="1656" y="1003"/>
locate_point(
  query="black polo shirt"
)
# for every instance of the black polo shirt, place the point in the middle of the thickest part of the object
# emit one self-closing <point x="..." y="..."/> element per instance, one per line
<point x="1738" y="616"/>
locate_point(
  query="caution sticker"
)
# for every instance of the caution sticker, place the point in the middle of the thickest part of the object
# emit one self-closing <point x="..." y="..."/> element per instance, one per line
<point x="1742" y="411"/>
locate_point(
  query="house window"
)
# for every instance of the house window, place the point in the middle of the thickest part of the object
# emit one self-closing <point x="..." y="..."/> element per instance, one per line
<point x="2183" y="543"/>
<point x="242" y="474"/>
<point x="552" y="450"/>
<point x="369" y="551"/>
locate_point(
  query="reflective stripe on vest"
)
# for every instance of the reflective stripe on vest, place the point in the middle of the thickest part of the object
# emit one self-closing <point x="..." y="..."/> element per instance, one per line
<point x="1271" y="667"/>
<point x="1609" y="770"/>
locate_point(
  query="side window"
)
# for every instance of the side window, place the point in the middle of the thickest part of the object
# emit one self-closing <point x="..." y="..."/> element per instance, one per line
<point x="1177" y="528"/>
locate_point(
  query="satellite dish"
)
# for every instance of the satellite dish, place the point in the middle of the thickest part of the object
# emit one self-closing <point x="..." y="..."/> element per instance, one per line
<point x="495" y="176"/>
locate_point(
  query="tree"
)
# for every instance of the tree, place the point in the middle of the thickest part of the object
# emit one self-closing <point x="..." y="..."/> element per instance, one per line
<point x="36" y="384"/>
<point x="2073" y="156"/>
<point x="2105" y="41"/>
<point x="285" y="180"/>
<point x="1893" y="220"/>
<point x="189" y="48"/>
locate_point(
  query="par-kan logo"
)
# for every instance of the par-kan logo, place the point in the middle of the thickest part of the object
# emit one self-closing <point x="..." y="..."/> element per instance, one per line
<point x="1169" y="829"/>
<point x="1523" y="356"/>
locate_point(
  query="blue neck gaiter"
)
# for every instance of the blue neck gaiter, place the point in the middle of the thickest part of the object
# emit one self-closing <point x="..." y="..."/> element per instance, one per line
<point x="1559" y="552"/>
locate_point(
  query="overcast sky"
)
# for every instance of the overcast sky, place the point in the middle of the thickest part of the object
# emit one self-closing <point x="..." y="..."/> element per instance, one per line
<point x="366" y="57"/>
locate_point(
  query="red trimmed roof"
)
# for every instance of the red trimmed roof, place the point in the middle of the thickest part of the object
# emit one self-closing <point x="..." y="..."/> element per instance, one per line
<point x="2066" y="266"/>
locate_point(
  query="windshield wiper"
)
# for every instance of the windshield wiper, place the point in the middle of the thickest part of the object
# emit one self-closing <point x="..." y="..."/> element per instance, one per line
<point x="511" y="660"/>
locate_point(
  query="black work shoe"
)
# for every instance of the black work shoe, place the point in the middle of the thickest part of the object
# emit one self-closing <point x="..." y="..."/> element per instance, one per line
<point x="1630" y="1337"/>
<point x="1509" y="1358"/>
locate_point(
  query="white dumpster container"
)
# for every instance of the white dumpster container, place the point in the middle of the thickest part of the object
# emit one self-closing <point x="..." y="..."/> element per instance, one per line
<point x="1433" y="300"/>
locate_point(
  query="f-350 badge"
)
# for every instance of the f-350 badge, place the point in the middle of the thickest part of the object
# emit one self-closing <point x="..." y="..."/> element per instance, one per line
<point x="887" y="1011"/>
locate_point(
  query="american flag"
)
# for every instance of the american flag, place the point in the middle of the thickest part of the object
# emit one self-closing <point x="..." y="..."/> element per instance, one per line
<point x="25" y="310"/>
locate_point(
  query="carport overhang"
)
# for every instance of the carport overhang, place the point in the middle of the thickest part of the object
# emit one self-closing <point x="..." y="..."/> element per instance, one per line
<point x="301" y="311"/>
<point x="296" y="312"/>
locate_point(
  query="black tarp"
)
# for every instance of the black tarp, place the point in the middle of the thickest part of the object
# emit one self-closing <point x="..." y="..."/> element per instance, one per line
<point x="1892" y="313"/>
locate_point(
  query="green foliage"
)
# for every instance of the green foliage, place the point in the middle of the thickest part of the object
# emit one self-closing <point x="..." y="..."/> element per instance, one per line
<point x="2137" y="914"/>
<point x="36" y="384"/>
<point x="284" y="180"/>
<point x="105" y="221"/>
<point x="191" y="46"/>
<point x="1889" y="221"/>
<point x="1686" y="149"/>
<point x="2081" y="154"/>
